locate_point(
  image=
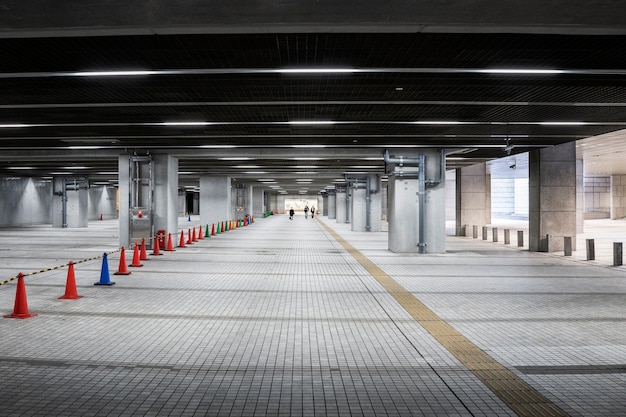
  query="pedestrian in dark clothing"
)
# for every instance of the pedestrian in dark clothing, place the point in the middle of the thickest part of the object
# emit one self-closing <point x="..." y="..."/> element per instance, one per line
<point x="312" y="212"/>
<point x="291" y="213"/>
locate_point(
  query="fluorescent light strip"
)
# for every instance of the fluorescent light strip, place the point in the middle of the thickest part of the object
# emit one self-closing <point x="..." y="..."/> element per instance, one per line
<point x="313" y="71"/>
<point x="184" y="124"/>
<point x="311" y="122"/>
<point x="316" y="70"/>
<point x="112" y="73"/>
<point x="442" y="122"/>
<point x="16" y="125"/>
<point x="563" y="123"/>
<point x="520" y="71"/>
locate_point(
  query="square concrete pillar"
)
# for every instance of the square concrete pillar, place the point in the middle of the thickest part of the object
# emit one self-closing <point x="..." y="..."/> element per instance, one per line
<point x="340" y="206"/>
<point x="215" y="199"/>
<point x="332" y="205"/>
<point x="552" y="197"/>
<point x="165" y="193"/>
<point x="472" y="195"/>
<point x="258" y="202"/>
<point x="618" y="196"/>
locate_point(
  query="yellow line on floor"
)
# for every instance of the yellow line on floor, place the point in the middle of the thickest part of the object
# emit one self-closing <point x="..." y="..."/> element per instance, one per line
<point x="513" y="391"/>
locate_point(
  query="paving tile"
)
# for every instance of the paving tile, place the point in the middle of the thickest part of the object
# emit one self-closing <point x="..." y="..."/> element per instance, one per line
<point x="278" y="319"/>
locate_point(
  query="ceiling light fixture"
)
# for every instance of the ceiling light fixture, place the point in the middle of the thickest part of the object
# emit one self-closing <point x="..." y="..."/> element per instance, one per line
<point x="520" y="71"/>
<point x="184" y="124"/>
<point x="112" y="73"/>
<point x="14" y="125"/>
<point x="562" y="123"/>
<point x="441" y="122"/>
<point x="311" y="122"/>
<point x="316" y="70"/>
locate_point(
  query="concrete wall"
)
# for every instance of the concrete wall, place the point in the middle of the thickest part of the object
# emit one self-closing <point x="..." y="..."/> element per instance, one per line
<point x="102" y="201"/>
<point x="25" y="201"/>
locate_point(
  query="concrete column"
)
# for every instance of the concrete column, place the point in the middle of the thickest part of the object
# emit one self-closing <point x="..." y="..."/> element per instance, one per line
<point x="123" y="173"/>
<point x="471" y="196"/>
<point x="76" y="203"/>
<point x="165" y="214"/>
<point x="215" y="199"/>
<point x="552" y="197"/>
<point x="57" y="202"/>
<point x="340" y="205"/>
<point x="358" y="210"/>
<point x="376" y="204"/>
<point x="332" y="204"/>
<point x="403" y="214"/>
<point x="258" y="202"/>
<point x="77" y="207"/>
<point x="359" y="206"/>
<point x="324" y="205"/>
<point x="280" y="204"/>
<point x="618" y="196"/>
<point x="249" y="200"/>
<point x="580" y="198"/>
<point x="403" y="207"/>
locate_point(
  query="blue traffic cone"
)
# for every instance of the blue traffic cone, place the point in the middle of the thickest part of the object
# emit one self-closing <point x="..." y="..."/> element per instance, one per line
<point x="105" y="278"/>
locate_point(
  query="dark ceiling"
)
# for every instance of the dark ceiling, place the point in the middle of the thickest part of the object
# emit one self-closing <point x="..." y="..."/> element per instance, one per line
<point x="299" y="106"/>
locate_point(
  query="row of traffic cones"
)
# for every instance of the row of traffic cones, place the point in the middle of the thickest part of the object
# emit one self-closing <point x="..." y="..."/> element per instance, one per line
<point x="20" y="308"/>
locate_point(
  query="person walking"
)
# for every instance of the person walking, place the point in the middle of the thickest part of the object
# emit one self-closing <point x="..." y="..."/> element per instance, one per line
<point x="306" y="212"/>
<point x="291" y="213"/>
<point x="312" y="212"/>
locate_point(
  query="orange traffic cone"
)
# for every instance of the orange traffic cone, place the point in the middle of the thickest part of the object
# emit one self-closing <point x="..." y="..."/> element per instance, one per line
<point x="189" y="240"/>
<point x="122" y="269"/>
<point x="20" y="309"/>
<point x="156" y="249"/>
<point x="70" y="285"/>
<point x="193" y="235"/>
<point x="100" y="216"/>
<point x="200" y="237"/>
<point x="181" y="244"/>
<point x="143" y="254"/>
<point x="170" y="245"/>
<point x="136" y="259"/>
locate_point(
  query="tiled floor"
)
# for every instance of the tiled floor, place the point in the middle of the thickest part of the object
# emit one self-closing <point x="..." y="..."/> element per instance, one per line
<point x="277" y="318"/>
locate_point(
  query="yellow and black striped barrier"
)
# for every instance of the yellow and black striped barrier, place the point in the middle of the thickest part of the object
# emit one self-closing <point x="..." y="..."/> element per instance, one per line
<point x="57" y="267"/>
